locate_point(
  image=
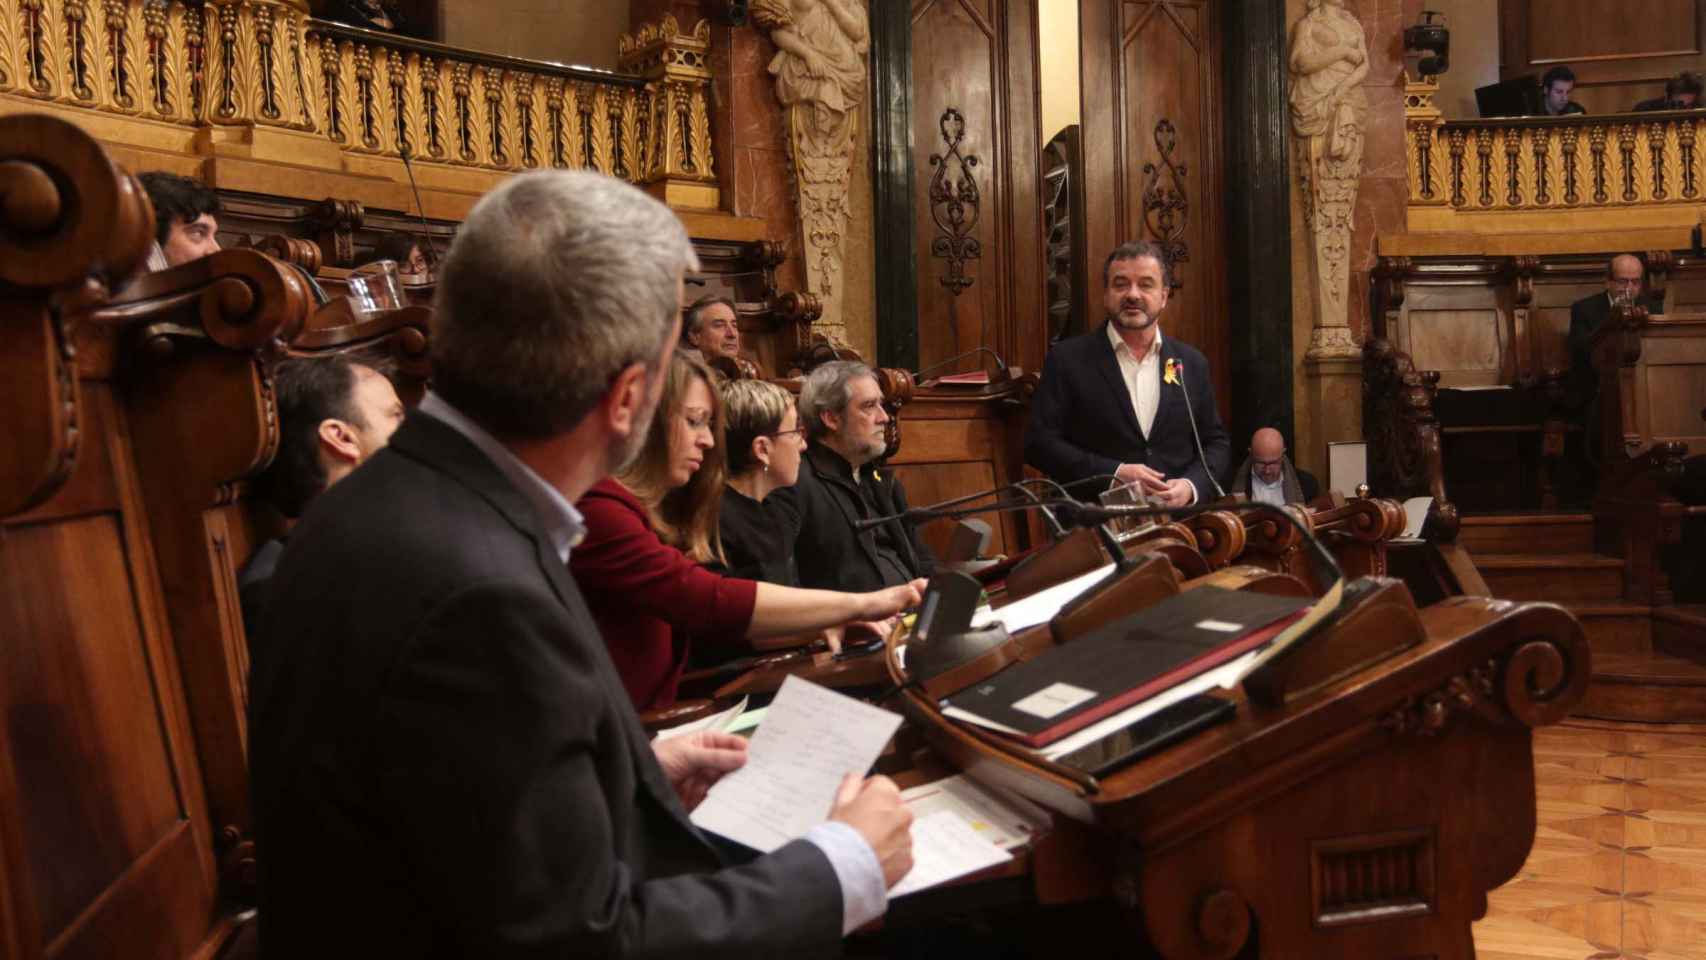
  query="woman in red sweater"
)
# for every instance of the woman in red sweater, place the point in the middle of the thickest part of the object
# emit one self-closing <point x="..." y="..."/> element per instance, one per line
<point x="648" y="529"/>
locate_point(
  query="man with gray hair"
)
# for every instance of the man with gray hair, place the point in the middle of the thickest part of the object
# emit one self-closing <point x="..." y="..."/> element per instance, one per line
<point x="444" y="762"/>
<point x="841" y="407"/>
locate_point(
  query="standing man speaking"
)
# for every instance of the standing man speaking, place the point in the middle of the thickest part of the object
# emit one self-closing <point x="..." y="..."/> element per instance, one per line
<point x="1125" y="400"/>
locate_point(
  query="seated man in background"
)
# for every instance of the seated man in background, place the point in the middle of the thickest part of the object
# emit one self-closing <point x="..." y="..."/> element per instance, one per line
<point x="1555" y="89"/>
<point x="442" y="759"/>
<point x="186" y="220"/>
<point x="1682" y="92"/>
<point x="1124" y="400"/>
<point x="1625" y="279"/>
<point x="711" y="328"/>
<point x="333" y="413"/>
<point x="839" y="484"/>
<point x="1267" y="475"/>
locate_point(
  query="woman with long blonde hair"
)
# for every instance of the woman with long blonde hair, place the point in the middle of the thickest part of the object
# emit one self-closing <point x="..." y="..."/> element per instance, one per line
<point x="647" y="526"/>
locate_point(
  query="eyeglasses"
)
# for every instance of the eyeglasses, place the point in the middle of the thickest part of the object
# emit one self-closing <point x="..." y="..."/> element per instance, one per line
<point x="1268" y="463"/>
<point x="796" y="432"/>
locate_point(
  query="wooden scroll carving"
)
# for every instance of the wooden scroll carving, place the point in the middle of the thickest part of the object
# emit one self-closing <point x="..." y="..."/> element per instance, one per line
<point x="71" y="225"/>
<point x="1166" y="208"/>
<point x="1404" y="458"/>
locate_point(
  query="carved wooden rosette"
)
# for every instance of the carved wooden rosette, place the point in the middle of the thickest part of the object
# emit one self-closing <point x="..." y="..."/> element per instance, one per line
<point x="669" y="144"/>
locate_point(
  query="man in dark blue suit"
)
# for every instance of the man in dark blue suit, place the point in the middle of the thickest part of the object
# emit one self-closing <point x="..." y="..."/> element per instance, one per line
<point x="1125" y="400"/>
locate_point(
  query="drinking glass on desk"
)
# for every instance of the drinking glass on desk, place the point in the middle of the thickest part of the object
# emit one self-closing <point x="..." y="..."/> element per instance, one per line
<point x="1129" y="494"/>
<point x="375" y="288"/>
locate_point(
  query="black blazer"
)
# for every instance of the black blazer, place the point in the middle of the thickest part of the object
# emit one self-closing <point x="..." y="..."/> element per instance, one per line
<point x="831" y="554"/>
<point x="1587" y="315"/>
<point x="1083" y="424"/>
<point x="444" y="763"/>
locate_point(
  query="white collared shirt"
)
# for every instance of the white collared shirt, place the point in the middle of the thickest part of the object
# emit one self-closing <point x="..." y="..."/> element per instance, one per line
<point x="1262" y="491"/>
<point x="1142" y="377"/>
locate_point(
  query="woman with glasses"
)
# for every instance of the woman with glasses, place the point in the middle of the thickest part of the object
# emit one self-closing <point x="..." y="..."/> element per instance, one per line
<point x="765" y="443"/>
<point x="649" y="529"/>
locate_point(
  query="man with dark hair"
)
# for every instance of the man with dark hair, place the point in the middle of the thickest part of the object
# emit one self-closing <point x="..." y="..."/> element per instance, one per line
<point x="711" y="328"/>
<point x="1123" y="400"/>
<point x="333" y="414"/>
<point x="185" y="218"/>
<point x="443" y="760"/>
<point x="1682" y="92"/>
<point x="1555" y="89"/>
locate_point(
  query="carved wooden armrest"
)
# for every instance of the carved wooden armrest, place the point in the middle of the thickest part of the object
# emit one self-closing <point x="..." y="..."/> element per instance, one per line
<point x="680" y="712"/>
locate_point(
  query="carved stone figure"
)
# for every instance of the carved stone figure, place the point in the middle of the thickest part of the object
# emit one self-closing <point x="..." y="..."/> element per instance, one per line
<point x="820" y="80"/>
<point x="1329" y="60"/>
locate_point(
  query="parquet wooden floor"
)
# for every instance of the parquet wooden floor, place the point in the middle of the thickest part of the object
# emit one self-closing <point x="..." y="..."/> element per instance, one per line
<point x="1618" y="869"/>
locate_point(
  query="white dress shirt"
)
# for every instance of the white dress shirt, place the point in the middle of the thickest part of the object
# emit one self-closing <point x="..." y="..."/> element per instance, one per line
<point x="1262" y="491"/>
<point x="864" y="895"/>
<point x="1142" y="376"/>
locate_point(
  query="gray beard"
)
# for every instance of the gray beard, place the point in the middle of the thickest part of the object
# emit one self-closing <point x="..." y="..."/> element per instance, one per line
<point x="1120" y="321"/>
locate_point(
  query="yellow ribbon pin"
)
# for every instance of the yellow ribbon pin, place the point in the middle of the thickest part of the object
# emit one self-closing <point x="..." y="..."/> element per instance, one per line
<point x="1171" y="375"/>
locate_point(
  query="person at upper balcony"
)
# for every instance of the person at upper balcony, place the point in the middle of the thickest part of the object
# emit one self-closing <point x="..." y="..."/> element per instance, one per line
<point x="1125" y="400"/>
<point x="651" y="526"/>
<point x="186" y="219"/>
<point x="383" y="15"/>
<point x="1682" y="92"/>
<point x="1555" y="87"/>
<point x="841" y="484"/>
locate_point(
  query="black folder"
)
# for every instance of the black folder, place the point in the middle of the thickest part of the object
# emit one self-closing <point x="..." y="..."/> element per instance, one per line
<point x="1124" y="662"/>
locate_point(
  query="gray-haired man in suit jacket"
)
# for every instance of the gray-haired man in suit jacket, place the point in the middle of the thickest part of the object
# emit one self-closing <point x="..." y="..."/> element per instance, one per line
<point x="444" y="761"/>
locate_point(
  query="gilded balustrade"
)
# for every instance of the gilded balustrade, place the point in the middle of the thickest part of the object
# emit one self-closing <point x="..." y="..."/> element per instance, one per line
<point x="1620" y="170"/>
<point x="267" y="64"/>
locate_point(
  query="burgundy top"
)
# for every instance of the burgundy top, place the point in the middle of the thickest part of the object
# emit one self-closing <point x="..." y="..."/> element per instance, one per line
<point x="646" y="595"/>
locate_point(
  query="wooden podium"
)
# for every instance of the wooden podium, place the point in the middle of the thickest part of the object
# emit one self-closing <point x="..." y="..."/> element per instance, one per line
<point x="1375" y="784"/>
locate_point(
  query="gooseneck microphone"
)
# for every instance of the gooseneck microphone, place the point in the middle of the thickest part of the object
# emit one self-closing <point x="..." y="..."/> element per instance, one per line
<point x="1179" y="374"/>
<point x="427" y="246"/>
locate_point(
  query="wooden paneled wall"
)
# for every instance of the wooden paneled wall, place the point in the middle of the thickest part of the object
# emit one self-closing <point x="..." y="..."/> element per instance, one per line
<point x="976" y="187"/>
<point x="1621" y="52"/>
<point x="1154" y="156"/>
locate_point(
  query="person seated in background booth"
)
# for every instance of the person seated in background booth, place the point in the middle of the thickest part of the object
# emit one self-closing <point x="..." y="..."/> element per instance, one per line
<point x="1267" y="475"/>
<point x="840" y="484"/>
<point x="712" y="329"/>
<point x="650" y="527"/>
<point x="186" y="219"/>
<point x="1555" y="87"/>
<point x="333" y="413"/>
<point x="764" y="441"/>
<point x="1682" y="92"/>
<point x="405" y="250"/>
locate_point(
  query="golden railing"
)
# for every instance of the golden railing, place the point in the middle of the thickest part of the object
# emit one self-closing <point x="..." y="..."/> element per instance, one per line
<point x="266" y="64"/>
<point x="1644" y="169"/>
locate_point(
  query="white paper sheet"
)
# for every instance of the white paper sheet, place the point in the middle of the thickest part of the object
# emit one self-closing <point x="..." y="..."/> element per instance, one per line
<point x="811" y="737"/>
<point x="944" y="847"/>
<point x="1039" y="607"/>
<point x="1415" y="515"/>
<point x="716" y="721"/>
<point x="1003" y="818"/>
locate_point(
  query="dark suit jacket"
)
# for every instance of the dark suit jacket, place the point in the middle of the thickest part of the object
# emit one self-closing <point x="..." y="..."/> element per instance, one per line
<point x="832" y="555"/>
<point x="1083" y="423"/>
<point x="1306" y="481"/>
<point x="1587" y="315"/>
<point x="444" y="763"/>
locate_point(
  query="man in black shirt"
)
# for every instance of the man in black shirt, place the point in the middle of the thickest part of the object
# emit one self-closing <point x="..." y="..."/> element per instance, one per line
<point x="841" y="484"/>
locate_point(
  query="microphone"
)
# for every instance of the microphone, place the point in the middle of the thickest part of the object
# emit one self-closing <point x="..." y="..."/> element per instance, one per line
<point x="427" y="246"/>
<point x="1000" y="375"/>
<point x="945" y="508"/>
<point x="1179" y="375"/>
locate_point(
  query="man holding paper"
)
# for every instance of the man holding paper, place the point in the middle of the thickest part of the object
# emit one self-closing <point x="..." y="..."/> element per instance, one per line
<point x="444" y="762"/>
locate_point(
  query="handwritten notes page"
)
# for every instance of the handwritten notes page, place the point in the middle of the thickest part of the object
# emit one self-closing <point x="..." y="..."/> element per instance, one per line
<point x="811" y="738"/>
<point x="945" y="846"/>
